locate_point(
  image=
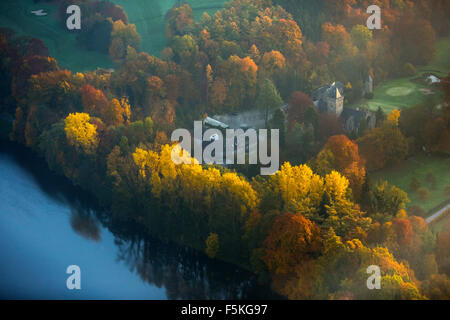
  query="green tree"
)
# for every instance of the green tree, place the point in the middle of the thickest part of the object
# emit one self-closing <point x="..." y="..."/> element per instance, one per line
<point x="122" y="36"/>
<point x="279" y="122"/>
<point x="414" y="185"/>
<point x="268" y="99"/>
<point x="300" y="142"/>
<point x="380" y="117"/>
<point x="424" y="194"/>
<point x="361" y="35"/>
<point x="387" y="201"/>
<point x="431" y="179"/>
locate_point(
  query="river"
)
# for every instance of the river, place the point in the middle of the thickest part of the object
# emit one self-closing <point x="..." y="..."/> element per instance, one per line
<point x="46" y="225"/>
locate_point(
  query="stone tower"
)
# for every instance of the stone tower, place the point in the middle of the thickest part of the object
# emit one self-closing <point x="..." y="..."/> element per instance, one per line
<point x="368" y="85"/>
<point x="335" y="101"/>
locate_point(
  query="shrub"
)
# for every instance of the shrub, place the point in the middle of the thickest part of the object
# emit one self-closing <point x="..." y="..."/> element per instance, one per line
<point x="414" y="185"/>
<point x="447" y="191"/>
<point x="431" y="179"/>
<point x="424" y="194"/>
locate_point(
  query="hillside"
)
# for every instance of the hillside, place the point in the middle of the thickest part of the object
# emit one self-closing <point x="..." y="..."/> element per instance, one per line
<point x="149" y="18"/>
<point x="62" y="45"/>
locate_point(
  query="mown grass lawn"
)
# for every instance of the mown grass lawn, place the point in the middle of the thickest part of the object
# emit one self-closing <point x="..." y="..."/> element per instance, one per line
<point x="418" y="167"/>
<point x="149" y="18"/>
<point x="148" y="15"/>
<point x="397" y="94"/>
<point x="402" y="92"/>
<point x="61" y="43"/>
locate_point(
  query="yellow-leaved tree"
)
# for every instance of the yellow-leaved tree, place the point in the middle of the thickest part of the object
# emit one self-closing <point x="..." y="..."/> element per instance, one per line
<point x="394" y="116"/>
<point x="191" y="182"/>
<point x="297" y="189"/>
<point x="212" y="201"/>
<point x="80" y="133"/>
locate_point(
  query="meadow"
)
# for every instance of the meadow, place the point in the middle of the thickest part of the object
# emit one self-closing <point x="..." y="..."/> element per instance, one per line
<point x="149" y="18"/>
<point x="405" y="93"/>
<point x="440" y="65"/>
<point x="419" y="167"/>
<point x="61" y="43"/>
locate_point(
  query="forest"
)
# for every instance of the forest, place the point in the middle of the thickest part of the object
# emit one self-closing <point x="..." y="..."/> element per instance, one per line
<point x="323" y="214"/>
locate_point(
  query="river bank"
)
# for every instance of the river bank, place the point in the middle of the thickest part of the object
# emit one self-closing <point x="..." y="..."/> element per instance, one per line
<point x="48" y="224"/>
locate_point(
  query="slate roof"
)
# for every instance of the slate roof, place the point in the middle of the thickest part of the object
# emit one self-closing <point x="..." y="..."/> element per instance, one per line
<point x="356" y="114"/>
<point x="322" y="106"/>
<point x="333" y="90"/>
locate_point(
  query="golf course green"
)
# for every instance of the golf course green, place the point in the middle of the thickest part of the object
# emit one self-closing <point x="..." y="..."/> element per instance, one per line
<point x="402" y="92"/>
<point x="398" y="93"/>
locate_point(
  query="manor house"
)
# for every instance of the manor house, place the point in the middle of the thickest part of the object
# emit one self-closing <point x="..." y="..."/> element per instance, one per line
<point x="330" y="99"/>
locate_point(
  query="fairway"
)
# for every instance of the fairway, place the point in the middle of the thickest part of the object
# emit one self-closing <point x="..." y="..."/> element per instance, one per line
<point x="62" y="44"/>
<point x="149" y="18"/>
<point x="440" y="65"/>
<point x="418" y="167"/>
<point x="396" y="94"/>
<point x="402" y="92"/>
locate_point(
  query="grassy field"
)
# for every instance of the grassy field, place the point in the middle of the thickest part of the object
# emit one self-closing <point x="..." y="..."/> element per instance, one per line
<point x="418" y="167"/>
<point x="402" y="92"/>
<point x="396" y="94"/>
<point x="405" y="93"/>
<point x="441" y="63"/>
<point x="149" y="18"/>
<point x="61" y="43"/>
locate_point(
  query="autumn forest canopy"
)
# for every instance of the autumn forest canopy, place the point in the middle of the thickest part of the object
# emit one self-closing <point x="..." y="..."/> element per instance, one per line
<point x="323" y="214"/>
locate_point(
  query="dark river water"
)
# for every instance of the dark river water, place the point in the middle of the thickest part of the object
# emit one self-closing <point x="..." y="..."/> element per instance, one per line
<point x="46" y="225"/>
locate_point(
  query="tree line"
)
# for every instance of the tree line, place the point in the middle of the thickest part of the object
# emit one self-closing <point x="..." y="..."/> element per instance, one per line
<point x="324" y="217"/>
